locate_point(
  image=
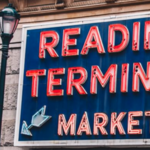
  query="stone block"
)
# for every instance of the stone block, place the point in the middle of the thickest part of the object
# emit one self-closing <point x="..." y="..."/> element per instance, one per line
<point x="12" y="79"/>
<point x="11" y="91"/>
<point x="7" y="137"/>
<point x="9" y="115"/>
<point x="10" y="98"/>
<point x="13" y="62"/>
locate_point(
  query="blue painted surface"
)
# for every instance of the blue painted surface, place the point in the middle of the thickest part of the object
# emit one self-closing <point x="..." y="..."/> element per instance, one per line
<point x="102" y="102"/>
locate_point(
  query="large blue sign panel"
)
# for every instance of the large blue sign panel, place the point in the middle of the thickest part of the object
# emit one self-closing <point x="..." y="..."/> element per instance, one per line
<point x="85" y="82"/>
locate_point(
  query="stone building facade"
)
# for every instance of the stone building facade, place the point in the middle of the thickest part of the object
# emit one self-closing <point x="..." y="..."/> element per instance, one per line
<point x="37" y="11"/>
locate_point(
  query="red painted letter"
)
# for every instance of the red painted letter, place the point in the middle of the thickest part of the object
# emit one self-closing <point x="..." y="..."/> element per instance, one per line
<point x="138" y="73"/>
<point x="35" y="78"/>
<point x="132" y="122"/>
<point x="84" y="125"/>
<point x="77" y="83"/>
<point x="103" y="79"/>
<point x="116" y="122"/>
<point x="48" y="46"/>
<point x="69" y="42"/>
<point x="66" y="126"/>
<point x="89" y="43"/>
<point x="51" y="82"/>
<point x="112" y="48"/>
<point x="147" y="35"/>
<point x="124" y="78"/>
<point x="136" y="35"/>
<point x="101" y="125"/>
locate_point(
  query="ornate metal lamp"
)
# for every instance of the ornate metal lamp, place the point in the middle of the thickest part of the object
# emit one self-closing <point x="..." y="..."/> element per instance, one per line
<point x="9" y="19"/>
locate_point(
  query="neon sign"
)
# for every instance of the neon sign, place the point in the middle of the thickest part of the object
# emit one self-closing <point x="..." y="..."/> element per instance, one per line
<point x="93" y="40"/>
<point x="93" y="78"/>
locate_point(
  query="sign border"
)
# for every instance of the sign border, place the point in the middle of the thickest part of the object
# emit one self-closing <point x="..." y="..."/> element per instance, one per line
<point x="72" y="143"/>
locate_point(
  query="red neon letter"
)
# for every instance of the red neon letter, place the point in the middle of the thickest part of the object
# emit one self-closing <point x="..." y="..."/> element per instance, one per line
<point x="147" y="35"/>
<point x="35" y="78"/>
<point x="147" y="113"/>
<point x="66" y="126"/>
<point x="138" y="73"/>
<point x="132" y="122"/>
<point x="89" y="43"/>
<point x="101" y="125"/>
<point x="52" y="82"/>
<point x="84" y="125"/>
<point x="112" y="48"/>
<point x="136" y="35"/>
<point x="124" y="78"/>
<point x="103" y="79"/>
<point x="116" y="122"/>
<point x="69" y="42"/>
<point x="77" y="83"/>
<point x="48" y="46"/>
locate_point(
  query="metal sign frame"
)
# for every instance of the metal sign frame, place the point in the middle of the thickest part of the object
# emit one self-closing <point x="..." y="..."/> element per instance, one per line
<point x="72" y="143"/>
